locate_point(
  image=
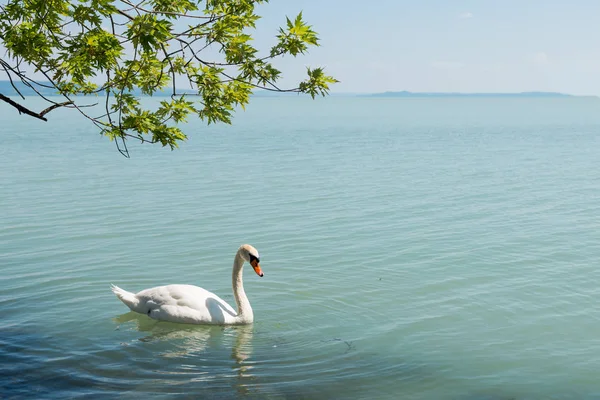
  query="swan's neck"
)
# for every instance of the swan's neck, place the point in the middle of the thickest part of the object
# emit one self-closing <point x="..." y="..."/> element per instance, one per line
<point x="245" y="313"/>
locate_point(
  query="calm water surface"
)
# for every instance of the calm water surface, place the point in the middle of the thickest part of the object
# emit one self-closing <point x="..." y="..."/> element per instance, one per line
<point x="412" y="248"/>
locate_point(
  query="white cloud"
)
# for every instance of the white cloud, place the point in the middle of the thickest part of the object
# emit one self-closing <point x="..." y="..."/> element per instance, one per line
<point x="539" y="58"/>
<point x="447" y="65"/>
<point x="465" y="15"/>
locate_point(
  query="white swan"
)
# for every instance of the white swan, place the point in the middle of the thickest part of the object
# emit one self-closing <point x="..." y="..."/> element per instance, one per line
<point x="190" y="304"/>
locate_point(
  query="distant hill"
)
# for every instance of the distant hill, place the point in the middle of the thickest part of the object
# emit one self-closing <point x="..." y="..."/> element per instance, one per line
<point x="269" y="93"/>
<point x="7" y="90"/>
<point x="433" y="94"/>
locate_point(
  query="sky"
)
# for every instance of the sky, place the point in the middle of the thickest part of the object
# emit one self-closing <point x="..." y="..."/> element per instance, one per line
<point x="445" y="45"/>
<point x="448" y="45"/>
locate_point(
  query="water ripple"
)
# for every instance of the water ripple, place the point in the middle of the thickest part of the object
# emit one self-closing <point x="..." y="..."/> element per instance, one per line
<point x="415" y="250"/>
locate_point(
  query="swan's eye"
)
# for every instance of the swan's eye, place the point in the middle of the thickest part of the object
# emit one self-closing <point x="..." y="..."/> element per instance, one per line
<point x="252" y="258"/>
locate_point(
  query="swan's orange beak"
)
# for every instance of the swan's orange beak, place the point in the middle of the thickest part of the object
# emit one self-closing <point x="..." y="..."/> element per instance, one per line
<point x="256" y="267"/>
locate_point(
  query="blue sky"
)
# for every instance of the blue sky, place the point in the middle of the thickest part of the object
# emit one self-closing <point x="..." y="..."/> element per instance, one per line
<point x="448" y="45"/>
<point x="445" y="45"/>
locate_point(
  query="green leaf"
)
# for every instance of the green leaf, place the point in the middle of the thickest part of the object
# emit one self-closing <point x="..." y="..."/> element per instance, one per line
<point x="154" y="47"/>
<point x="317" y="82"/>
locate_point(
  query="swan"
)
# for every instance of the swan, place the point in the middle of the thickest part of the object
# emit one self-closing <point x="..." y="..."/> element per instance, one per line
<point x="190" y="304"/>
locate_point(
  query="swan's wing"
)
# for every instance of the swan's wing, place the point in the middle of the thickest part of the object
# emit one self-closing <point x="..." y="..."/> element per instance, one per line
<point x="186" y="304"/>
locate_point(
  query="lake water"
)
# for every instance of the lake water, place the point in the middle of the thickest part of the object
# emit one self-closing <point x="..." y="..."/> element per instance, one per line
<point x="412" y="249"/>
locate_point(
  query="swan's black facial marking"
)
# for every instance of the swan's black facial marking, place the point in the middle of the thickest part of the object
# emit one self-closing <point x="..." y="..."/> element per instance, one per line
<point x="149" y="311"/>
<point x="254" y="261"/>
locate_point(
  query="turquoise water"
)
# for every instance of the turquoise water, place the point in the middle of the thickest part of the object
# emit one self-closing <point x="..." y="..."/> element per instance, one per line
<point x="412" y="248"/>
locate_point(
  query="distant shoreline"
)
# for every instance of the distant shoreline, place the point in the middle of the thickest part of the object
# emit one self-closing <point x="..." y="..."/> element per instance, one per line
<point x="7" y="89"/>
<point x="459" y="94"/>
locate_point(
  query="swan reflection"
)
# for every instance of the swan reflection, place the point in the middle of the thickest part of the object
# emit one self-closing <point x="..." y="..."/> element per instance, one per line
<point x="200" y="348"/>
<point x="241" y="353"/>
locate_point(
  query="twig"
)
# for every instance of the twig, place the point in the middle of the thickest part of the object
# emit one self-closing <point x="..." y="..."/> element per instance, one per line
<point x="175" y="14"/>
<point x="54" y="106"/>
<point x="172" y="69"/>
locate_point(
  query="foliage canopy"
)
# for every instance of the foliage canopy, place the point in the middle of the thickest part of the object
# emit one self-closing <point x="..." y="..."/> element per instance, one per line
<point x="121" y="49"/>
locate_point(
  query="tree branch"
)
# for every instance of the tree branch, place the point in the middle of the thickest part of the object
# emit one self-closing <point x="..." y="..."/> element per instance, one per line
<point x="25" y="110"/>
<point x="22" y="109"/>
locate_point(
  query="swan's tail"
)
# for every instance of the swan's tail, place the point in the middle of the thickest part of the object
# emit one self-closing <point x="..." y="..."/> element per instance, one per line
<point x="128" y="298"/>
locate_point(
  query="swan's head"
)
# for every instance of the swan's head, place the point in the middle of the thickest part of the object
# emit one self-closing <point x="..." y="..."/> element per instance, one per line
<point x="250" y="254"/>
